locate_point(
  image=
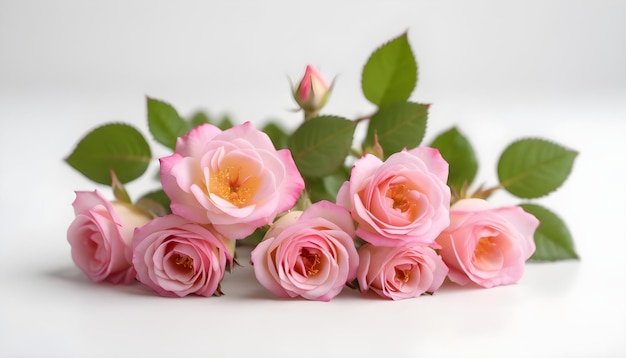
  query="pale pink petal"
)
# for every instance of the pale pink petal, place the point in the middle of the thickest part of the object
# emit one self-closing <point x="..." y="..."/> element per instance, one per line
<point x="433" y="160"/>
<point x="194" y="142"/>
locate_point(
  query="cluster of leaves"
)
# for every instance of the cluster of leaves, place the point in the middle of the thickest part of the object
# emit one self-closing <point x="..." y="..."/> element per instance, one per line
<point x="322" y="147"/>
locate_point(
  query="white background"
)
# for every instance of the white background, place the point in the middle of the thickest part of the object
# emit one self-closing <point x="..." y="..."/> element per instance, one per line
<point x="499" y="70"/>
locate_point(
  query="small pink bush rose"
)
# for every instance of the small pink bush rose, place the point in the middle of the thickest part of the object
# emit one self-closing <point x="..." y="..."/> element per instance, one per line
<point x="236" y="179"/>
<point x="176" y="257"/>
<point x="100" y="236"/>
<point x="402" y="200"/>
<point x="310" y="254"/>
<point x="400" y="272"/>
<point x="487" y="245"/>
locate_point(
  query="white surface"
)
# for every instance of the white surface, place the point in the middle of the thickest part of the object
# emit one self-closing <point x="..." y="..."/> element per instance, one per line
<point x="499" y="70"/>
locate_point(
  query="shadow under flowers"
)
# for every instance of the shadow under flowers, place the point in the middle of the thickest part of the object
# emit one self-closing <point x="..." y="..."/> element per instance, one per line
<point x="72" y="277"/>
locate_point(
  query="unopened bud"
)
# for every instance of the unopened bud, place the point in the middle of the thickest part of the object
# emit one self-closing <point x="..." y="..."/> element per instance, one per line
<point x="312" y="92"/>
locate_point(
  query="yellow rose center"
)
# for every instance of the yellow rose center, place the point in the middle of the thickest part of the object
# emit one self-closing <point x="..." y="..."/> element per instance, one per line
<point x="229" y="185"/>
<point x="401" y="202"/>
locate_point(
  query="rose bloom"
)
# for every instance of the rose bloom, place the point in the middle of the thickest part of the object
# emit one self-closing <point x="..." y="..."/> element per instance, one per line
<point x="312" y="91"/>
<point x="485" y="244"/>
<point x="309" y="254"/>
<point x="400" y="272"/>
<point x="235" y="179"/>
<point x="176" y="257"/>
<point x="400" y="201"/>
<point x="100" y="237"/>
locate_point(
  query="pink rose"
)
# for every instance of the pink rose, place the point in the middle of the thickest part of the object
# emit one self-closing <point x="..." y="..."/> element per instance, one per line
<point x="400" y="272"/>
<point x="176" y="257"/>
<point x="309" y="254"/>
<point x="235" y="180"/>
<point x="485" y="244"/>
<point x="400" y="201"/>
<point x="100" y="237"/>
<point x="312" y="91"/>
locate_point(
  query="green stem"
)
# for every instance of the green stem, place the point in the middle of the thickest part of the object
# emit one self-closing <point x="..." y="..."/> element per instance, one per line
<point x="310" y="114"/>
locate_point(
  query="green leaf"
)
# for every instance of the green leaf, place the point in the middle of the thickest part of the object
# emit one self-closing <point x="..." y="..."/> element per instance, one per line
<point x="116" y="146"/>
<point x="320" y="145"/>
<point x="157" y="203"/>
<point x="390" y="74"/>
<point x="552" y="238"/>
<point x="398" y="126"/>
<point x="531" y="168"/>
<point x="254" y="239"/>
<point x="456" y="149"/>
<point x="277" y="134"/>
<point x="198" y="118"/>
<point x="164" y="123"/>
<point x="225" y="123"/>
<point x="327" y="187"/>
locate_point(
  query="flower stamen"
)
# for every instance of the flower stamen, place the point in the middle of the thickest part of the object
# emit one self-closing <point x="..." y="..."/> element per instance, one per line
<point x="228" y="184"/>
<point x="398" y="193"/>
<point x="184" y="261"/>
<point x="311" y="262"/>
<point x="402" y="275"/>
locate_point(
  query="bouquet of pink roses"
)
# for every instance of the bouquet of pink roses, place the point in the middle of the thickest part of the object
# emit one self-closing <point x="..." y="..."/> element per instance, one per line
<point x="389" y="215"/>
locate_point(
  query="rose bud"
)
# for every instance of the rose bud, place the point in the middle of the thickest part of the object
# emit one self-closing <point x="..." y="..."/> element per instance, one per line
<point x="312" y="92"/>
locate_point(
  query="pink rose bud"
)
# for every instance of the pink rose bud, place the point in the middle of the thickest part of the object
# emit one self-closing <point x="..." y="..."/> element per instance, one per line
<point x="101" y="235"/>
<point x="176" y="257"/>
<point x="487" y="245"/>
<point x="400" y="272"/>
<point x="309" y="254"/>
<point x="235" y="180"/>
<point x="400" y="201"/>
<point x="312" y="91"/>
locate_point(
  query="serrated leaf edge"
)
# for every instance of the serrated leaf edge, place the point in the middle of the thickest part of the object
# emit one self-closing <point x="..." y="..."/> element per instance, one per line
<point x="378" y="49"/>
<point x="504" y="184"/>
<point x="575" y="254"/>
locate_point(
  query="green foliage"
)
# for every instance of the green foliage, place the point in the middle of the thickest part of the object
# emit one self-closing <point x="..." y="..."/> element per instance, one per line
<point x="198" y="118"/>
<point x="390" y="74"/>
<point x="277" y="134"/>
<point x="320" y="145"/>
<point x="164" y="123"/>
<point x="398" y="126"/>
<point x="456" y="149"/>
<point x="224" y="123"/>
<point x="201" y="117"/>
<point x="117" y="153"/>
<point x="254" y="238"/>
<point x="112" y="147"/>
<point x="552" y="238"/>
<point x="531" y="168"/>
<point x="326" y="187"/>
<point x="155" y="202"/>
